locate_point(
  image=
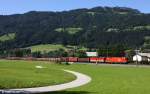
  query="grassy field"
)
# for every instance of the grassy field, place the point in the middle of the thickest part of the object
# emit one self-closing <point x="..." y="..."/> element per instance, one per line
<point x="69" y="30"/>
<point x="105" y="79"/>
<point x="111" y="80"/>
<point x="18" y="74"/>
<point x="46" y="47"/>
<point x="7" y="37"/>
<point x="52" y="47"/>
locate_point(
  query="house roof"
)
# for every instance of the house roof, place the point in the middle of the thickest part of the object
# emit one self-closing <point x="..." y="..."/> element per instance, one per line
<point x="144" y="54"/>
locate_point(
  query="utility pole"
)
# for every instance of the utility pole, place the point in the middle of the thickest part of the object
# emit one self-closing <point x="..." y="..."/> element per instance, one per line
<point x="107" y="48"/>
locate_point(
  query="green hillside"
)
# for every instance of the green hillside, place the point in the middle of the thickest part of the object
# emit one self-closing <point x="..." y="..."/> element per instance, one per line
<point x="69" y="30"/>
<point x="97" y="27"/>
<point x="46" y="47"/>
<point x="6" y="37"/>
<point x="53" y="47"/>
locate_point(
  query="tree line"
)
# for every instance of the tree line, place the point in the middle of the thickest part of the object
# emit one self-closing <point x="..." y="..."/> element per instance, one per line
<point x="103" y="52"/>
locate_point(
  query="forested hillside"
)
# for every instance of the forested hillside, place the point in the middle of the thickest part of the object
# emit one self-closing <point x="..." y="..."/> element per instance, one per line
<point x="93" y="28"/>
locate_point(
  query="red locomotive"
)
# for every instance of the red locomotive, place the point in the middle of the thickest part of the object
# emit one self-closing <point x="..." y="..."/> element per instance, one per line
<point x="116" y="60"/>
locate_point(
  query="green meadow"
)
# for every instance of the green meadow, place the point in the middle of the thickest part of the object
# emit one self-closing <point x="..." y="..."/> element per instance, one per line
<point x="7" y="37"/>
<point x="105" y="79"/>
<point x="22" y="74"/>
<point x="47" y="47"/>
<point x="53" y="47"/>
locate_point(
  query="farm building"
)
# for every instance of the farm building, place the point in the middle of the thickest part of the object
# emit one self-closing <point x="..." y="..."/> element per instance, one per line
<point x="142" y="57"/>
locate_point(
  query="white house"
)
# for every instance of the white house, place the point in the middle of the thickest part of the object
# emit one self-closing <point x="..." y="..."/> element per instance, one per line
<point x="137" y="58"/>
<point x="142" y="57"/>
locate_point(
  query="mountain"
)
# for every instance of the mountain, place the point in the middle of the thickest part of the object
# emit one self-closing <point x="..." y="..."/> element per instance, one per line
<point x="97" y="27"/>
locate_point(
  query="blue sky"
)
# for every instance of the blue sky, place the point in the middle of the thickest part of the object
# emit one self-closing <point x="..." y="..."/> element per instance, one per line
<point x="22" y="6"/>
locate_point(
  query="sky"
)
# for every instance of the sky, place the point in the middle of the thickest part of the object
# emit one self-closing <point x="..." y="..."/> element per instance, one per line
<point x="8" y="7"/>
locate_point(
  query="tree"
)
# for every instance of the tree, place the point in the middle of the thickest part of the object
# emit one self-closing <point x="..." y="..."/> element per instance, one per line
<point x="37" y="54"/>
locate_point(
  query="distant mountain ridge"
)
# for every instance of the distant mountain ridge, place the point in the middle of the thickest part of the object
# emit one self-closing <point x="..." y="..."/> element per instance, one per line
<point x="94" y="28"/>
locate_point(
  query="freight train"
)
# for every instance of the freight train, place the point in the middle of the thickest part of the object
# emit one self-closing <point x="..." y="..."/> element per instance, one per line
<point x="108" y="60"/>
